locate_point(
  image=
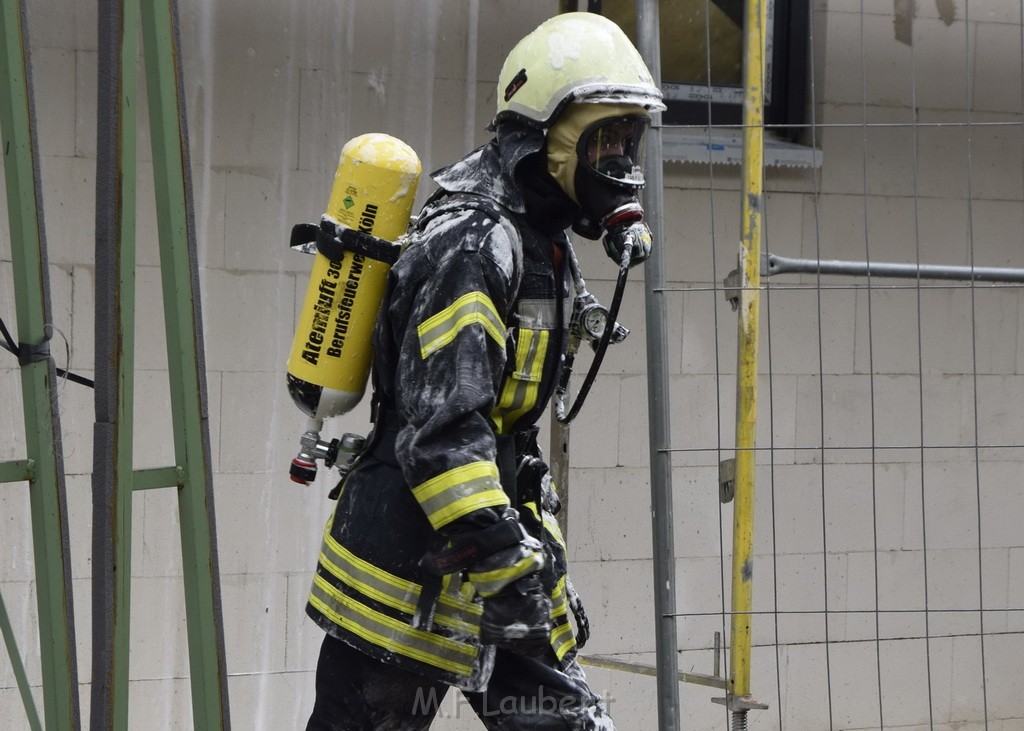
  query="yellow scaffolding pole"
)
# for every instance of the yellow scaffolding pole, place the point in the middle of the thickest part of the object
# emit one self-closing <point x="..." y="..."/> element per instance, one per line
<point x="739" y="700"/>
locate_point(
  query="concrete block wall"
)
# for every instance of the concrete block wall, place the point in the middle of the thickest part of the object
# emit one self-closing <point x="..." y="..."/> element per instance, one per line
<point x="892" y="414"/>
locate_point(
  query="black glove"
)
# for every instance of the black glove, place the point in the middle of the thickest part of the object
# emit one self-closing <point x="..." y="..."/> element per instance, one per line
<point x="576" y="605"/>
<point x="518" y="618"/>
<point x="533" y="482"/>
<point x="502" y="561"/>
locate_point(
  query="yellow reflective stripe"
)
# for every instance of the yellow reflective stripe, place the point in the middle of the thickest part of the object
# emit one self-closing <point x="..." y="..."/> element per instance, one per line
<point x="394" y="591"/>
<point x="562" y="639"/>
<point x="550" y="524"/>
<point x="377" y="581"/>
<point x="530" y="342"/>
<point x="520" y="390"/>
<point x="459" y="594"/>
<point x="558" y="605"/>
<point x="491" y="582"/>
<point x="469" y="309"/>
<point x="459" y="491"/>
<point x="390" y="633"/>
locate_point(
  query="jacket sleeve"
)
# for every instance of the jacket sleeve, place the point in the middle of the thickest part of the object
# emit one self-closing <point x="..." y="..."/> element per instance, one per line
<point x="452" y="354"/>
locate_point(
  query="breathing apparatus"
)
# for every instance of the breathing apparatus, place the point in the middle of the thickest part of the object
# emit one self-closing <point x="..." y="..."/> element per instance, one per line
<point x="596" y="153"/>
<point x="627" y="241"/>
<point x="354" y="244"/>
<point x="578" y="76"/>
<point x="603" y="172"/>
<point x="606" y="183"/>
<point x="593" y="323"/>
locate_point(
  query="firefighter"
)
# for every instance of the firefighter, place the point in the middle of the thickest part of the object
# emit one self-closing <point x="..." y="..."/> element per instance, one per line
<point x="442" y="564"/>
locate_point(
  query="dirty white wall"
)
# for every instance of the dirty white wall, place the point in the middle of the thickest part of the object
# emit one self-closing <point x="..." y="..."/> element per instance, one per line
<point x="273" y="91"/>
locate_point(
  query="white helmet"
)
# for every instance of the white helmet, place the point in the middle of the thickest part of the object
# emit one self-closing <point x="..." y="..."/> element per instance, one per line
<point x="573" y="57"/>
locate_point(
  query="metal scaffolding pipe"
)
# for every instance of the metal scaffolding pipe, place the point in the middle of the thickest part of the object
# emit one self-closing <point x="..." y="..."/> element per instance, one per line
<point x="658" y="394"/>
<point x="772" y="264"/>
<point x="114" y="480"/>
<point x="738" y="699"/>
<point x="117" y="92"/>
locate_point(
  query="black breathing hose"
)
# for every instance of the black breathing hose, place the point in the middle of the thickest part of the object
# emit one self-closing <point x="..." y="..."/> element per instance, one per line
<point x="602" y="347"/>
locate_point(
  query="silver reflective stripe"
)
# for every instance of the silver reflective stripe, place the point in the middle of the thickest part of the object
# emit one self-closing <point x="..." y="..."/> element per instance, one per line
<point x="520" y="390"/>
<point x="528" y="367"/>
<point x="550" y="523"/>
<point x="562" y="639"/>
<point x="488" y="583"/>
<point x="393" y="591"/>
<point x="558" y="606"/>
<point x="538" y="314"/>
<point x="459" y="491"/>
<point x="469" y="309"/>
<point x="391" y="634"/>
<point x="537" y="318"/>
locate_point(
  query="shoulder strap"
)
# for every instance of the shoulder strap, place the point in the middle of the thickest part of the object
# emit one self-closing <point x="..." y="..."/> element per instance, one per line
<point x="442" y="201"/>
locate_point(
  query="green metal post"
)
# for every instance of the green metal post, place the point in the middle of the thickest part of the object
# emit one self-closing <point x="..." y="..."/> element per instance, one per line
<point x="38" y="375"/>
<point x="31" y="714"/>
<point x="186" y="361"/>
<point x="112" y="478"/>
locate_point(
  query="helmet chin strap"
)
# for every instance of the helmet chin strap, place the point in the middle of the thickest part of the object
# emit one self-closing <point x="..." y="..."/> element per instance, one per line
<point x="587" y="227"/>
<point x="617" y="207"/>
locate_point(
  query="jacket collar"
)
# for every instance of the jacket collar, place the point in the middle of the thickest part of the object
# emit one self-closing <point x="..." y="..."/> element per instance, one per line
<point x="490" y="170"/>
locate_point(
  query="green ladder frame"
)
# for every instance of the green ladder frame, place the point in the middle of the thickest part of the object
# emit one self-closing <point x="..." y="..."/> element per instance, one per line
<point x="113" y="477"/>
<point x="114" y="480"/>
<point x="44" y="467"/>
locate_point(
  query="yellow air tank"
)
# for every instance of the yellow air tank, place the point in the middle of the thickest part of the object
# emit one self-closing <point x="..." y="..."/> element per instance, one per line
<point x="368" y="210"/>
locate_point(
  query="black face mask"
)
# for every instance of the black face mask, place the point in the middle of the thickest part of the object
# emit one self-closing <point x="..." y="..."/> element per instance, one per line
<point x="598" y="199"/>
<point x="623" y="226"/>
<point x="608" y="173"/>
<point x="613" y="209"/>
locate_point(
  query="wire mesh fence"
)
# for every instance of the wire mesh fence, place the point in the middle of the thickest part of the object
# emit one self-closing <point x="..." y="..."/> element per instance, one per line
<point x="889" y="559"/>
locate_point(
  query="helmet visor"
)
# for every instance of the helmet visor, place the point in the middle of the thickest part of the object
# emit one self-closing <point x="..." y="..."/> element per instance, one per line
<point x="613" y="149"/>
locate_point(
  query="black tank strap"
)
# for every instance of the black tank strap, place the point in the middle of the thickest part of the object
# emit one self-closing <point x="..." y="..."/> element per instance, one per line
<point x="386" y="425"/>
<point x="333" y="240"/>
<point x="506" y="459"/>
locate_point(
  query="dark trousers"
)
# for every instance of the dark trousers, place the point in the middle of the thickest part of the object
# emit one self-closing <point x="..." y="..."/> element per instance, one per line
<point x="357" y="693"/>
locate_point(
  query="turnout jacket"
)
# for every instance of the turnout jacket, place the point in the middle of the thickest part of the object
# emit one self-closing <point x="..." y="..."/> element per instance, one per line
<point x="467" y="352"/>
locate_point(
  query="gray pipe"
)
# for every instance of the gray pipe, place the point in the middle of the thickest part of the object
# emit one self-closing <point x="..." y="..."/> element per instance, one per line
<point x="658" y="394"/>
<point x="772" y="265"/>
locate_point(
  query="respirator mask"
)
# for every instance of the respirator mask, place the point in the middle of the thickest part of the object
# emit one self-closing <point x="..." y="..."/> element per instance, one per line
<point x="596" y="152"/>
